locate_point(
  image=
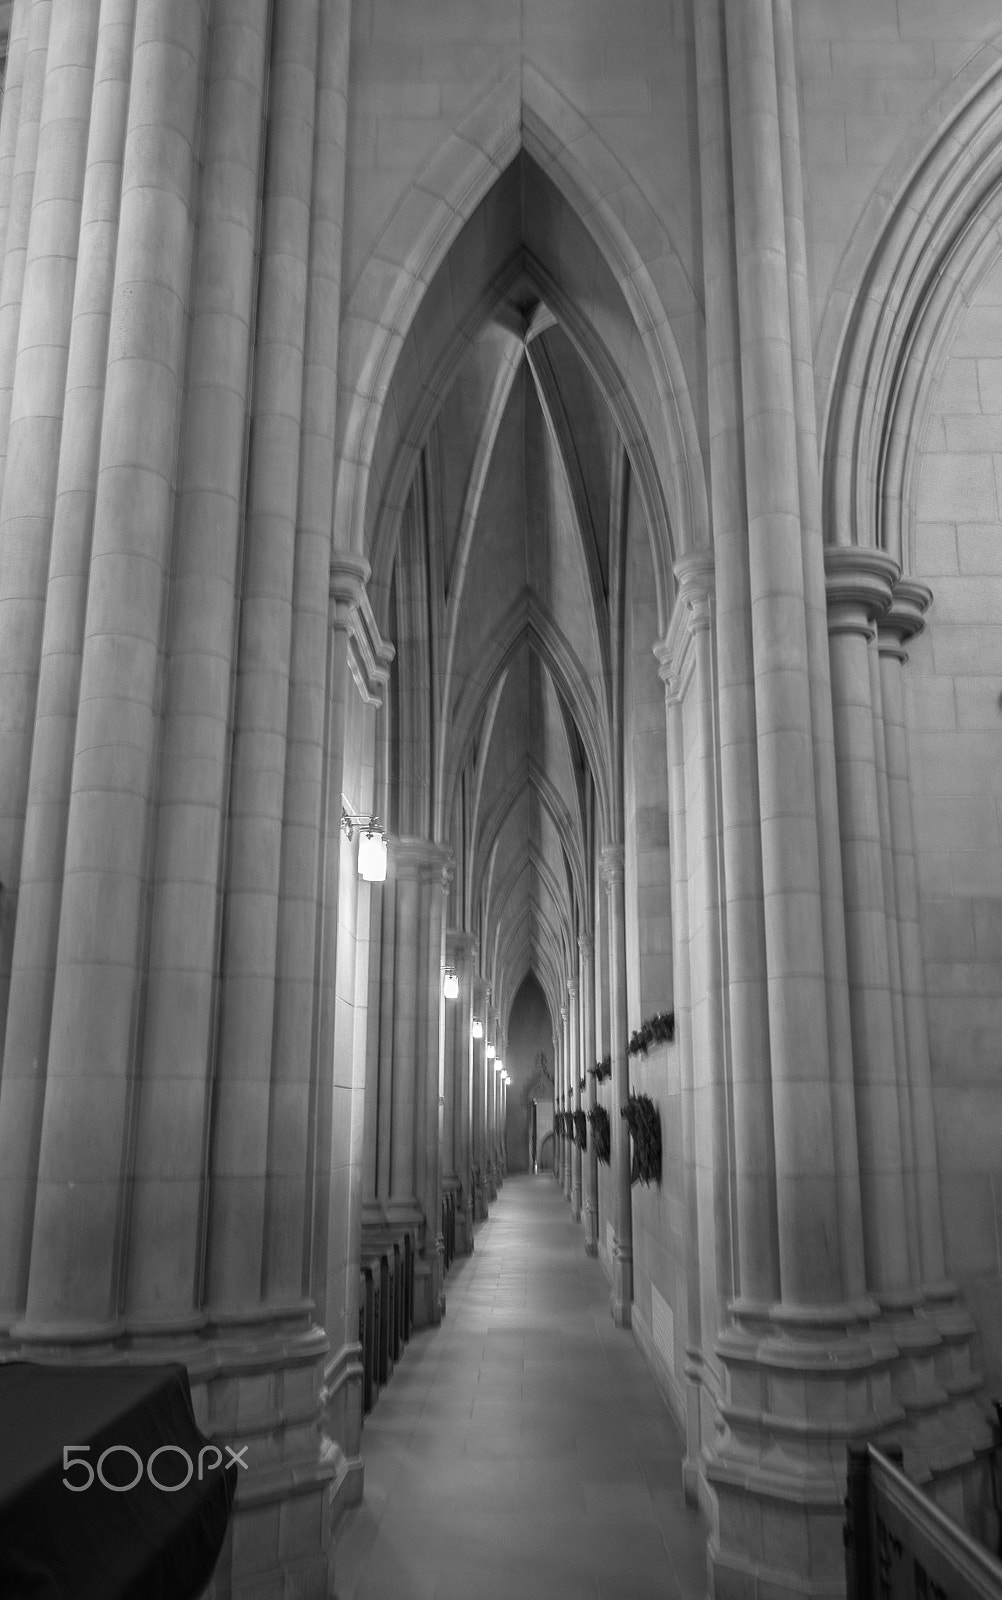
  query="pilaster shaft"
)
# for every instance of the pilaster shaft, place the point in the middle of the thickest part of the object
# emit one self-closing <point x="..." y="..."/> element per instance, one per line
<point x="613" y="873"/>
<point x="586" y="968"/>
<point x="574" y="1036"/>
<point x="859" y="590"/>
<point x="94" y="1003"/>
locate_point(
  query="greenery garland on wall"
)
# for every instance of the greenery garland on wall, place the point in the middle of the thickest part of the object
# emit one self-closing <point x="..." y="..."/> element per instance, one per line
<point x="659" y="1029"/>
<point x="581" y="1129"/>
<point x="602" y="1070"/>
<point x="601" y="1133"/>
<point x="644" y="1123"/>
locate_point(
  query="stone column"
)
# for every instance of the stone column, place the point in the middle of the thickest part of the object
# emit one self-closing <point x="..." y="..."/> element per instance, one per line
<point x="420" y="872"/>
<point x="799" y="1320"/>
<point x="402" y="1200"/>
<point x="29" y="45"/>
<point x="567" y="1172"/>
<point x="75" y="1273"/>
<point x="901" y="622"/>
<point x="499" y="1137"/>
<point x="180" y="1013"/>
<point x="247" y="1001"/>
<point x="574" y="1055"/>
<point x="686" y="660"/>
<point x="491" y="1106"/>
<point x="385" y="1002"/>
<point x="586" y="953"/>
<point x="36" y="926"/>
<point x="479" y="1107"/>
<point x="336" y="652"/>
<point x="466" y="1092"/>
<point x="674" y="675"/>
<point x="613" y="873"/>
<point x="437" y="877"/>
<point x="371" y="1209"/>
<point x="36" y="318"/>
<point x="756" y="1242"/>
<point x="807" y="1185"/>
<point x="10" y="112"/>
<point x="557" y="1108"/>
<point x="457" y="1175"/>
<point x="859" y="590"/>
<point x="452" y="1011"/>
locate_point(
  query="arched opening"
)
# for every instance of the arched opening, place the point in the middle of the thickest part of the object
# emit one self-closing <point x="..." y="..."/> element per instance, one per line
<point x="521" y="470"/>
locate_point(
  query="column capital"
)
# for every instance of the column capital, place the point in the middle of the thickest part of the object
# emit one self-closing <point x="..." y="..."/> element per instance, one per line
<point x="572" y="988"/>
<point x="613" y="864"/>
<point x="586" y="945"/>
<point x="692" y="614"/>
<point x="369" y="654"/>
<point x="460" y="944"/>
<point x="421" y="860"/>
<point x="859" y="583"/>
<point x="904" y="618"/>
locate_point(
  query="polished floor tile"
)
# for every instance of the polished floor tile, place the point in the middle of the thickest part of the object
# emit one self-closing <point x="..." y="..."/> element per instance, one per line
<point x="522" y="1449"/>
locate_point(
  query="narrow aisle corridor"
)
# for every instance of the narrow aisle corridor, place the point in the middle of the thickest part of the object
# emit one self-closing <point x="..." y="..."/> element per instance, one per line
<point x="522" y="1450"/>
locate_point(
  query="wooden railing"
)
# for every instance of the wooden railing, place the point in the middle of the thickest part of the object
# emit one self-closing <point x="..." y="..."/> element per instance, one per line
<point x="899" y="1545"/>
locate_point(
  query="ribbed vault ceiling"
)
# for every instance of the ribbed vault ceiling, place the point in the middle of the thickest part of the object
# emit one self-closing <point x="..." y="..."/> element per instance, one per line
<point x="505" y="596"/>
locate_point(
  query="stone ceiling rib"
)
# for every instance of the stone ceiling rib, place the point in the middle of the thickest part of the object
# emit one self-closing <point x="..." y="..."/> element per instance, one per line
<point x="530" y="775"/>
<point x="555" y="415"/>
<point x="527" y="620"/>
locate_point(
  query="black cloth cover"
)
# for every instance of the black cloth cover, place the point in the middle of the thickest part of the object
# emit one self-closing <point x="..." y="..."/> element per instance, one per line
<point x="101" y="1543"/>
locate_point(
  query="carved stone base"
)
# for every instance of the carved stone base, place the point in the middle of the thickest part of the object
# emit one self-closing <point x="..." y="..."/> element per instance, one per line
<point x="796" y="1389"/>
<point x="621" y="1299"/>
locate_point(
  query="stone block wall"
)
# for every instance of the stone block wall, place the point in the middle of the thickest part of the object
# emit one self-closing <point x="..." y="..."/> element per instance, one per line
<point x="955" y="679"/>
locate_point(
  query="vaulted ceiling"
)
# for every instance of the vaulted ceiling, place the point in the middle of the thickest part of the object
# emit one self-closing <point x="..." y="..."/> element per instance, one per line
<point x="505" y="607"/>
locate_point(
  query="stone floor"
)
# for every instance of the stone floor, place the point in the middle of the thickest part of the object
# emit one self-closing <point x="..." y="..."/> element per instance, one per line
<point x="522" y="1450"/>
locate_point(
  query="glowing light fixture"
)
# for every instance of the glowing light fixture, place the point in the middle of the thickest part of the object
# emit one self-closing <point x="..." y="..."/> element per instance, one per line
<point x="478" y="1028"/>
<point x="450" y="985"/>
<point x="491" y="1052"/>
<point x="499" y="1065"/>
<point x="371" y="845"/>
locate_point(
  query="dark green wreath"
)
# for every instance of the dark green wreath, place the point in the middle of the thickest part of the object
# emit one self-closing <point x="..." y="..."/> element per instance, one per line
<point x="602" y="1070"/>
<point x="601" y="1133"/>
<point x="645" y="1130"/>
<point x="659" y="1029"/>
<point x="581" y="1129"/>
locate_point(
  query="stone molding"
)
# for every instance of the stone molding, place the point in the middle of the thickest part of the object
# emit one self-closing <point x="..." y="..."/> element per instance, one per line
<point x="421" y="860"/>
<point x="461" y="945"/>
<point x="613" y="864"/>
<point x="859" y="583"/>
<point x="904" y="618"/>
<point x="369" y="654"/>
<point x="898" y="294"/>
<point x="693" y="614"/>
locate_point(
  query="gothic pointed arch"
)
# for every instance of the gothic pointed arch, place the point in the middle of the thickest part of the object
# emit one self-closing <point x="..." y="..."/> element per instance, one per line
<point x="522" y="112"/>
<point x="930" y="233"/>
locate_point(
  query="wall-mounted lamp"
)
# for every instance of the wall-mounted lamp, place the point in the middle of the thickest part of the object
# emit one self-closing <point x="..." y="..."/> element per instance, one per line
<point x="371" y="845"/>
<point x="450" y="984"/>
<point x="499" y="1065"/>
<point x="478" y="1028"/>
<point x="491" y="1052"/>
